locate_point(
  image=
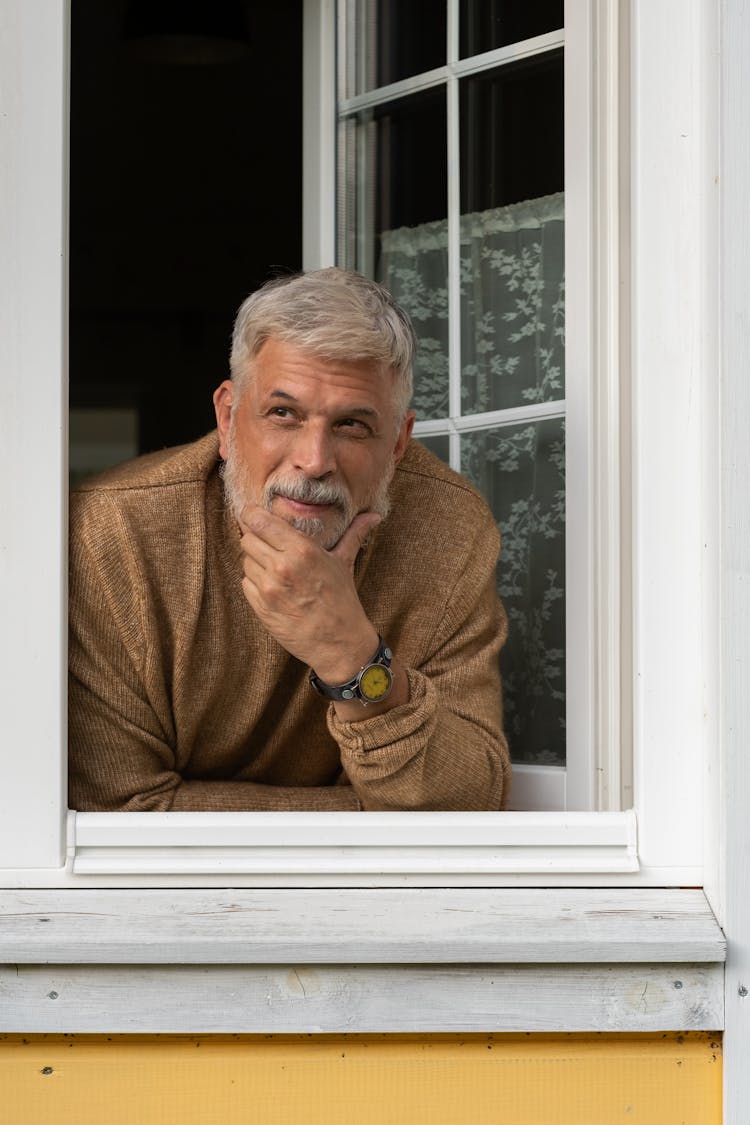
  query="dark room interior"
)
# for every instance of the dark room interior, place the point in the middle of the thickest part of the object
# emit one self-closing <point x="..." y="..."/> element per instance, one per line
<point x="185" y="195"/>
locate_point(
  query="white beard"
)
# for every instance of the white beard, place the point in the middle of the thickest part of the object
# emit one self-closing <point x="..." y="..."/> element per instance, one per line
<point x="238" y="492"/>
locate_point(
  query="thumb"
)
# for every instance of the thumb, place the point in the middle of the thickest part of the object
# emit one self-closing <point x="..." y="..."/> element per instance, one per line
<point x="351" y="541"/>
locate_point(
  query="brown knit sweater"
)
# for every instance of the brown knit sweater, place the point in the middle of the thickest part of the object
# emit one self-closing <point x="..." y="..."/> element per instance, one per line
<point x="179" y="698"/>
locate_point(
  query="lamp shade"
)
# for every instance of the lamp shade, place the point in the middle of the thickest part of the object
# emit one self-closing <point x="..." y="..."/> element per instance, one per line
<point x="186" y="32"/>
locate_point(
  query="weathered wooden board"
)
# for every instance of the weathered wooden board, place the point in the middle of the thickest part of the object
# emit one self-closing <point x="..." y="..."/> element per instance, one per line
<point x="206" y="926"/>
<point x="359" y="998"/>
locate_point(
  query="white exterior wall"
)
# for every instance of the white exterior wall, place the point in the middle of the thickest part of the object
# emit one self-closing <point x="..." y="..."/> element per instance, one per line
<point x="691" y="682"/>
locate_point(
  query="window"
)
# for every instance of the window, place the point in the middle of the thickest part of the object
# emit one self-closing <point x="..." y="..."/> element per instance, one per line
<point x="451" y="188"/>
<point x="672" y="674"/>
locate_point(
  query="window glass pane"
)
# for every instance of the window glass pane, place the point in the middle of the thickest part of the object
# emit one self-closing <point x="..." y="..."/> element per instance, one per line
<point x="512" y="133"/>
<point x="486" y="24"/>
<point x="411" y="178"/>
<point x="396" y="226"/>
<point x="512" y="235"/>
<point x="395" y="39"/>
<point x="414" y="266"/>
<point x="520" y="469"/>
<point x="439" y="444"/>
<point x="513" y="305"/>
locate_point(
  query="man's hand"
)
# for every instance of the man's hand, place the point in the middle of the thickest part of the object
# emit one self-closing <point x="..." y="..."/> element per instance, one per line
<point x="305" y="596"/>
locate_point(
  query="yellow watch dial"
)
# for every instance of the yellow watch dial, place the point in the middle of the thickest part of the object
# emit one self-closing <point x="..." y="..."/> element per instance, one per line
<point x="375" y="682"/>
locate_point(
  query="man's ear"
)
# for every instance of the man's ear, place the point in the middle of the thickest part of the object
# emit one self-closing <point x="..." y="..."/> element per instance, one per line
<point x="404" y="436"/>
<point x="223" y="399"/>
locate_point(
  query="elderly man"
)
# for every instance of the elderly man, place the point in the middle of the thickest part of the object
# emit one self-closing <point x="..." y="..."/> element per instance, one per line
<point x="298" y="611"/>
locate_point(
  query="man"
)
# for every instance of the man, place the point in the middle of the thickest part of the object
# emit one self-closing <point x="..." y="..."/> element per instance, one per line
<point x="319" y="629"/>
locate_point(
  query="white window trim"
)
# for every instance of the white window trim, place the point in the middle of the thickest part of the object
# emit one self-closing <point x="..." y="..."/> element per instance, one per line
<point x="672" y="513"/>
<point x="33" y="418"/>
<point x="728" y="822"/>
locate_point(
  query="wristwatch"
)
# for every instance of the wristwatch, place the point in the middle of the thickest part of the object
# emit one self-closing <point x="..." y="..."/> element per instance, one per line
<point x="372" y="682"/>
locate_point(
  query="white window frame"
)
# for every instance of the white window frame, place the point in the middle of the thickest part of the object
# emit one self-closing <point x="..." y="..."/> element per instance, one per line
<point x="667" y="517"/>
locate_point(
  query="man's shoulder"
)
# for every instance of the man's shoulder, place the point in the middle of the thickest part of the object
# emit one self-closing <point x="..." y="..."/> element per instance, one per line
<point x="439" y="529"/>
<point x="182" y="464"/>
<point x="160" y="498"/>
<point x="423" y="479"/>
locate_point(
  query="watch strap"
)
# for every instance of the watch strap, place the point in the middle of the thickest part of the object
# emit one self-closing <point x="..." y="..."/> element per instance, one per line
<point x="351" y="689"/>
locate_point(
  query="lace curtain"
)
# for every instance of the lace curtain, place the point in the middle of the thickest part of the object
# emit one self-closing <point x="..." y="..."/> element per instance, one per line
<point x="512" y="355"/>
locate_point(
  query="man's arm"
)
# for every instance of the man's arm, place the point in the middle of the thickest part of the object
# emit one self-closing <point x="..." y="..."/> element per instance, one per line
<point x="121" y="763"/>
<point x="121" y="720"/>
<point x="307" y="599"/>
<point x="436" y="741"/>
<point x="445" y="748"/>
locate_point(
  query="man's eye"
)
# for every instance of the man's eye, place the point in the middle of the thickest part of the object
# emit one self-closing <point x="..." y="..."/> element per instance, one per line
<point x="355" y="425"/>
<point x="280" y="412"/>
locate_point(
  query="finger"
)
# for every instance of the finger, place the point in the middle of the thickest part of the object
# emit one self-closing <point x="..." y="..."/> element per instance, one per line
<point x="258" y="551"/>
<point x="254" y="567"/>
<point x="252" y="595"/>
<point x="273" y="530"/>
<point x="350" y="543"/>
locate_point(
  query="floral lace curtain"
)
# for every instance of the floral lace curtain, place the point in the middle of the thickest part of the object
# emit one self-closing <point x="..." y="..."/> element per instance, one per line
<point x="512" y="344"/>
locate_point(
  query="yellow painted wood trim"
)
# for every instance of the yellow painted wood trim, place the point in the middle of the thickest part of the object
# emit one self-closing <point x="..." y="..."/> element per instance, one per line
<point x="667" y="1079"/>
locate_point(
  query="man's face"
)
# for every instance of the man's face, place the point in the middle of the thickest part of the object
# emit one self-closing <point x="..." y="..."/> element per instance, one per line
<point x="313" y="440"/>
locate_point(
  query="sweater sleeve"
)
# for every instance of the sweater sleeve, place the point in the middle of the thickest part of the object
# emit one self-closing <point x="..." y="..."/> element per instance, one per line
<point x="445" y="748"/>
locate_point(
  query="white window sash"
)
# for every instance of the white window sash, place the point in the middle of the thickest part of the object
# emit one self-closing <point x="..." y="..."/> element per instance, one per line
<point x="670" y="507"/>
<point x="319" y="134"/>
<point x="598" y="766"/>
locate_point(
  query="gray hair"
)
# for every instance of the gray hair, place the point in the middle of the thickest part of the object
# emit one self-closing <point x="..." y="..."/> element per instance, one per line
<point x="333" y="313"/>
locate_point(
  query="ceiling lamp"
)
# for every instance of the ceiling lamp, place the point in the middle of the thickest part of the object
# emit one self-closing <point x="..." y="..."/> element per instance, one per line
<point x="186" y="32"/>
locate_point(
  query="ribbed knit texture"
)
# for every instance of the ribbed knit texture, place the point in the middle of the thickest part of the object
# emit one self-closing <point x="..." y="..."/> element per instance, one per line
<point x="179" y="698"/>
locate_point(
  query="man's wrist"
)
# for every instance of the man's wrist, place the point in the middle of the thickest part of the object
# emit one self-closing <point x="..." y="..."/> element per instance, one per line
<point x="371" y="684"/>
<point x="345" y="662"/>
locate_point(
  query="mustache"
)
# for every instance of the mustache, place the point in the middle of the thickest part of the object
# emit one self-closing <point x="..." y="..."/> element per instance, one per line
<point x="308" y="491"/>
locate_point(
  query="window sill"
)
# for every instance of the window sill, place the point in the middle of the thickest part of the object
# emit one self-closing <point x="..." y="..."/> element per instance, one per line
<point x="359" y="960"/>
<point x="342" y="848"/>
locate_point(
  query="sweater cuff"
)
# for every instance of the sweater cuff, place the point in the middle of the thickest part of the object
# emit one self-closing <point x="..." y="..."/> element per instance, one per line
<point x="415" y="719"/>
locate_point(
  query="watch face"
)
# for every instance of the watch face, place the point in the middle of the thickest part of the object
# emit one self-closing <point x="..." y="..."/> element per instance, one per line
<point x="375" y="682"/>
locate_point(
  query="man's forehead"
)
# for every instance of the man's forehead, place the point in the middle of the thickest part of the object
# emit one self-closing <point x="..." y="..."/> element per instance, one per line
<point x="276" y="393"/>
<point x="283" y="368"/>
<point x="276" y="351"/>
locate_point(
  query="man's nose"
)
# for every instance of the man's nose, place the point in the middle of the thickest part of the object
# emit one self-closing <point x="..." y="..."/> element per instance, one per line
<point x="314" y="452"/>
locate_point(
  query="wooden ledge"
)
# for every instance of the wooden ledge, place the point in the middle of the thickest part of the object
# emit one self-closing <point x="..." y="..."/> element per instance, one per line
<point x="383" y="926"/>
